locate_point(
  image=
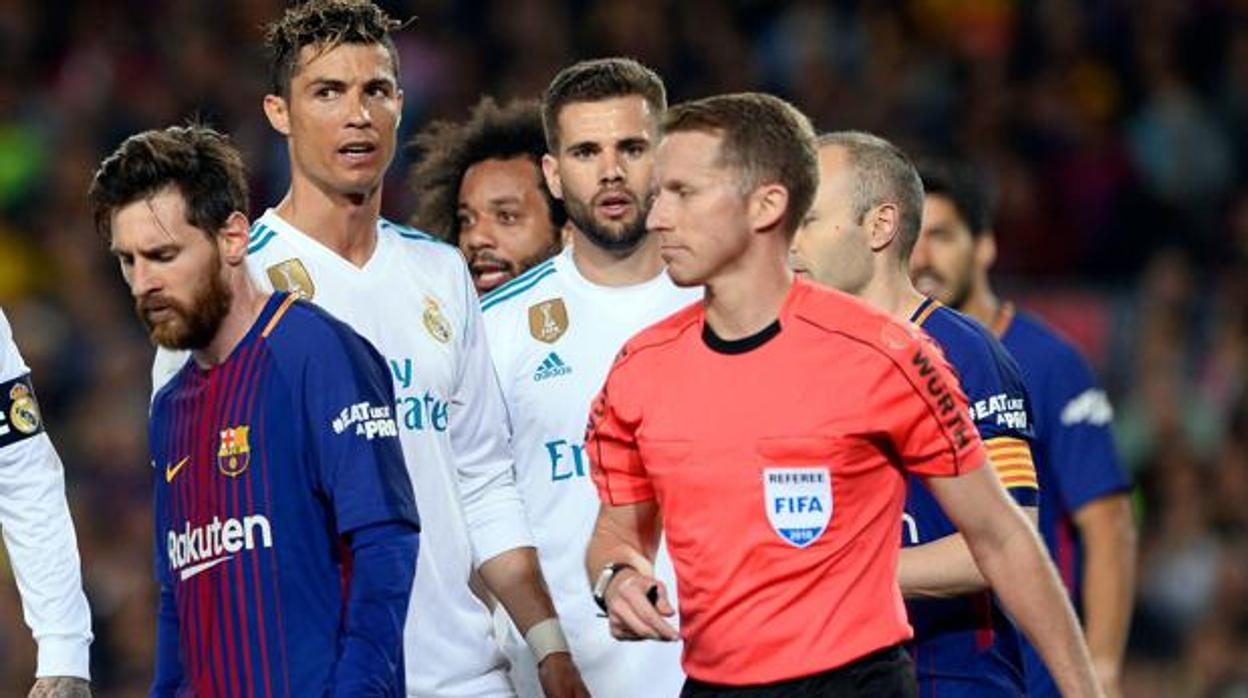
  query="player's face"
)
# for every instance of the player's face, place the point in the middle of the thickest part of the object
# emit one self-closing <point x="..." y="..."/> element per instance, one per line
<point x="342" y="117"/>
<point x="699" y="212"/>
<point x="831" y="246"/>
<point x="602" y="170"/>
<point x="174" y="271"/>
<point x="504" y="221"/>
<point x="943" y="261"/>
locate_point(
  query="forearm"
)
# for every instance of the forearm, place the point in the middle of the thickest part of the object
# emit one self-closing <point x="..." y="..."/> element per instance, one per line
<point x="383" y="567"/>
<point x="940" y="569"/>
<point x="624" y="535"/>
<point x="1015" y="563"/>
<point x="1109" y="546"/>
<point x="515" y="578"/>
<point x="42" y="547"/>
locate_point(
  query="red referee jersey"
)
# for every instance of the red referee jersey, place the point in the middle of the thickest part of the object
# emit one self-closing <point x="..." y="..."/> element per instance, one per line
<point x="780" y="475"/>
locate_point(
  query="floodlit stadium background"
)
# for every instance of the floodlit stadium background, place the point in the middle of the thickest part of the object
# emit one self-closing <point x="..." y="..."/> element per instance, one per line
<point x="1113" y="132"/>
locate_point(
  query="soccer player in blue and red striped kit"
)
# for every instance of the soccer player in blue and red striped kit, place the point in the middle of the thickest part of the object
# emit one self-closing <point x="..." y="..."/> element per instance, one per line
<point x="286" y="527"/>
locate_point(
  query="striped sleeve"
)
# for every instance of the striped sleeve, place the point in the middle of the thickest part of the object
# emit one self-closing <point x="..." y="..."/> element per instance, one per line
<point x="1011" y="460"/>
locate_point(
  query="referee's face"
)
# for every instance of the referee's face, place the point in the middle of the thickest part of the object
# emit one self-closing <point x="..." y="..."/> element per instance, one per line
<point x="699" y="212"/>
<point x="341" y="119"/>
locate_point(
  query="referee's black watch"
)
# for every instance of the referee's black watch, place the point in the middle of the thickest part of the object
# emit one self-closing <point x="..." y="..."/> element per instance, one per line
<point x="604" y="580"/>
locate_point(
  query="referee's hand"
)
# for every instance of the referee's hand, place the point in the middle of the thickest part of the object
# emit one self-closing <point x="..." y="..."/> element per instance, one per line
<point x="630" y="612"/>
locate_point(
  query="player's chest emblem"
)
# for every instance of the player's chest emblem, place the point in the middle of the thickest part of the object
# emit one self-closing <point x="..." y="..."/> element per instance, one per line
<point x="234" y="451"/>
<point x="435" y="321"/>
<point x="292" y="277"/>
<point x="799" y="503"/>
<point x="548" y="320"/>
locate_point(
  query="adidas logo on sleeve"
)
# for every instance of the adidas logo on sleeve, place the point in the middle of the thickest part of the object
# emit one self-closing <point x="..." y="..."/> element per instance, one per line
<point x="552" y="367"/>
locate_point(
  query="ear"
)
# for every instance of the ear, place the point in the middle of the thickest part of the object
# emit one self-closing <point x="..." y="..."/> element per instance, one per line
<point x="766" y="207"/>
<point x="275" y="108"/>
<point x="550" y="170"/>
<point x="232" y="239"/>
<point x="985" y="250"/>
<point x="398" y="121"/>
<point x="882" y="223"/>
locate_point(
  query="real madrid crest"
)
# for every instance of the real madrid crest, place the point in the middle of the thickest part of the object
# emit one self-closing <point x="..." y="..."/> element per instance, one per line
<point x="291" y="276"/>
<point x="548" y="320"/>
<point x="435" y="321"/>
<point x="24" y="413"/>
<point x="234" y="451"/>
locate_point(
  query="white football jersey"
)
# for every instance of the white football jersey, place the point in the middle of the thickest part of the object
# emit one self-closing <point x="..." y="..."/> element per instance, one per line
<point x="553" y="335"/>
<point x="414" y="300"/>
<point x="38" y="532"/>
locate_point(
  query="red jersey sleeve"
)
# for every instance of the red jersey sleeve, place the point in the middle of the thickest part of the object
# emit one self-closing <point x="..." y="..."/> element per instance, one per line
<point x="926" y="412"/>
<point x="611" y="442"/>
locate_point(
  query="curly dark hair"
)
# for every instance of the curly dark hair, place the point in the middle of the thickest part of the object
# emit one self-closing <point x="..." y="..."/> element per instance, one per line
<point x="325" y="24"/>
<point x="203" y="164"/>
<point x="447" y="149"/>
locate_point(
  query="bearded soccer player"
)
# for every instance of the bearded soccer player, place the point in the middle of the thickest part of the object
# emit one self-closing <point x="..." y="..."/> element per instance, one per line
<point x="336" y="101"/>
<point x="1085" y="512"/>
<point x="286" y="528"/>
<point x="39" y="534"/>
<point x="769" y="430"/>
<point x="857" y="238"/>
<point x="479" y="186"/>
<point x="553" y="333"/>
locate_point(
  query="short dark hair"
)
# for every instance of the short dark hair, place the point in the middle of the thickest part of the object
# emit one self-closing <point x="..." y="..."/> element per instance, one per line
<point x="325" y="24"/>
<point x="964" y="187"/>
<point x="201" y="163"/>
<point x="884" y="175"/>
<point x="765" y="138"/>
<point x="448" y="149"/>
<point x="594" y="81"/>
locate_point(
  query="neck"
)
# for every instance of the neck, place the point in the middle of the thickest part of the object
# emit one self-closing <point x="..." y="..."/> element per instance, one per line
<point x="607" y="268"/>
<point x="891" y="290"/>
<point x="981" y="303"/>
<point x="245" y="307"/>
<point x="345" y="224"/>
<point x="744" y="300"/>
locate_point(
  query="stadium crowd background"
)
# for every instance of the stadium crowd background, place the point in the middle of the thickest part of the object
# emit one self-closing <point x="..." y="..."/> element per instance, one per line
<point x="1112" y="133"/>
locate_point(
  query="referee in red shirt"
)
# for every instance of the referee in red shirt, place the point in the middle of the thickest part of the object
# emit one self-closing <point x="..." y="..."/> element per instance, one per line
<point x="771" y="428"/>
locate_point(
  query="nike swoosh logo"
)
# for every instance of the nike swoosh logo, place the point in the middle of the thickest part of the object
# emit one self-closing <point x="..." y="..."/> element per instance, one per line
<point x="172" y="470"/>
<point x="203" y="567"/>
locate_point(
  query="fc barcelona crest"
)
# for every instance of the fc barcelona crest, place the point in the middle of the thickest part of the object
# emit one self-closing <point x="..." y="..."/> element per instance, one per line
<point x="234" y="452"/>
<point x="292" y="277"/>
<point x="548" y="320"/>
<point x="435" y="321"/>
<point x="799" y="503"/>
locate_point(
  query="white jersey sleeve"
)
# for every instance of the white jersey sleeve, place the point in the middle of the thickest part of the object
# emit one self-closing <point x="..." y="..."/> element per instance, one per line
<point x="38" y="532"/>
<point x="485" y="471"/>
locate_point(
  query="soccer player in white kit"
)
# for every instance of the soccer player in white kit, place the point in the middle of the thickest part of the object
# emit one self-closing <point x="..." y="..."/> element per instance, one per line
<point x="337" y="101"/>
<point x="553" y="333"/>
<point x="39" y="534"/>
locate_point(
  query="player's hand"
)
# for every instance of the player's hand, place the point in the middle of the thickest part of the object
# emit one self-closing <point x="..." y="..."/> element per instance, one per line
<point x="560" y="677"/>
<point x="630" y="612"/>
<point x="60" y="687"/>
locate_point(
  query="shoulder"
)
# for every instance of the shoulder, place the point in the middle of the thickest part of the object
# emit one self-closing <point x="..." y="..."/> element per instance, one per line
<point x="526" y="287"/>
<point x="1041" y="349"/>
<point x="839" y="314"/>
<point x="967" y="344"/>
<point x="421" y="244"/>
<point x="662" y="334"/>
<point x="307" y="334"/>
<point x="10" y="359"/>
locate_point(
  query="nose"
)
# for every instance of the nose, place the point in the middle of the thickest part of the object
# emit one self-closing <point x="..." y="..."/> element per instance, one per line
<point x="611" y="167"/>
<point x="659" y="218"/>
<point x="919" y="255"/>
<point x="478" y="236"/>
<point x="359" y="115"/>
<point x="143" y="280"/>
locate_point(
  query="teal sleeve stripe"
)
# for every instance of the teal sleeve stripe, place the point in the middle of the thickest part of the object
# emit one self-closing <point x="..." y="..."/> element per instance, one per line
<point x="495" y="298"/>
<point x="259" y="244"/>
<point x="257" y="229"/>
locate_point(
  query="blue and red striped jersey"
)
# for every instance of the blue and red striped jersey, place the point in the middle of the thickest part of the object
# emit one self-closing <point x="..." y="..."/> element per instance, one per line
<point x="264" y="465"/>
<point x="966" y="646"/>
<point x="1074" y="450"/>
